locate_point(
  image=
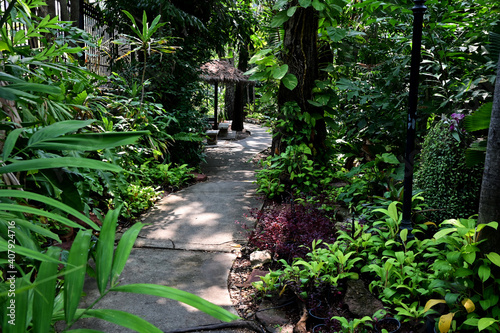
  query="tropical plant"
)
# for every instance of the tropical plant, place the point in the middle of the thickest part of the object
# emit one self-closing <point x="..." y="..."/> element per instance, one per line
<point x="39" y="303"/>
<point x="144" y="42"/>
<point x="351" y="326"/>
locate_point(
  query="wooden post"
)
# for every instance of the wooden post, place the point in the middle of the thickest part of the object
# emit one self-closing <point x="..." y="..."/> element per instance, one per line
<point x="216" y="102"/>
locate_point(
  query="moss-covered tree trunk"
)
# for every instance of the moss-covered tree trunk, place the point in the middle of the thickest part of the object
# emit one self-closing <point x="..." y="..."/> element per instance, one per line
<point x="301" y="56"/>
<point x="489" y="205"/>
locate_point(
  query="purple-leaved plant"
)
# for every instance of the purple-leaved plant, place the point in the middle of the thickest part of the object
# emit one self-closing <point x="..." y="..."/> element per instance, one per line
<point x="288" y="230"/>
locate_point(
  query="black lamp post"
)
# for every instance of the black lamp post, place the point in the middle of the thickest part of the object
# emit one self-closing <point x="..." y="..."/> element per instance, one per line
<point x="418" y="16"/>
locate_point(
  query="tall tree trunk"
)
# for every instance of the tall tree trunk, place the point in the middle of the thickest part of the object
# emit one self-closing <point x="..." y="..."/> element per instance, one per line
<point x="64" y="10"/>
<point x="75" y="13"/>
<point x="51" y="8"/>
<point x="239" y="98"/>
<point x="229" y="100"/>
<point x="489" y="204"/>
<point x="301" y="56"/>
<point x="229" y="96"/>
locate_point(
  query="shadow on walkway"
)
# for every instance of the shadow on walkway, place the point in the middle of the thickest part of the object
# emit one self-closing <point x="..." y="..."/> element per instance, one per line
<point x="190" y="241"/>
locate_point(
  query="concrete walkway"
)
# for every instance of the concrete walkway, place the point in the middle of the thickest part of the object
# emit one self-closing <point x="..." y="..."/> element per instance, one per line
<point x="191" y="240"/>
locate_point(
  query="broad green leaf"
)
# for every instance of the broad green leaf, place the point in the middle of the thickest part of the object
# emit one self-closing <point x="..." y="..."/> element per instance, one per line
<point x="484" y="272"/>
<point x="40" y="212"/>
<point x="290" y="81"/>
<point x="291" y="11"/>
<point x="279" y="4"/>
<point x="144" y="26"/>
<point x="472" y="322"/>
<point x="123" y="319"/>
<point x="463" y="272"/>
<point x="90" y="141"/>
<point x="58" y="162"/>
<point x="443" y="232"/>
<point x="48" y="201"/>
<point x="453" y="257"/>
<point x="10" y="142"/>
<point x="123" y="251"/>
<point x="105" y="247"/>
<point x="494" y="258"/>
<point x="469" y="254"/>
<point x="485" y="323"/>
<point x="319" y="6"/>
<point x="35" y="228"/>
<point x="393" y="211"/>
<point x="336" y="34"/>
<point x="305" y="3"/>
<point x="404" y="235"/>
<point x="80" y="98"/>
<point x="73" y="281"/>
<point x="280" y="71"/>
<point x="279" y="19"/>
<point x="10" y="78"/>
<point x="36" y="87"/>
<point x="259" y="56"/>
<point x="14" y="94"/>
<point x="479" y="119"/>
<point x="181" y="296"/>
<point x="134" y="24"/>
<point x="44" y="292"/>
<point x="23" y="305"/>
<point x="493" y="225"/>
<point x="155" y="26"/>
<point x="58" y="129"/>
<point x="389" y="158"/>
<point x="20" y="250"/>
<point x="489" y="302"/>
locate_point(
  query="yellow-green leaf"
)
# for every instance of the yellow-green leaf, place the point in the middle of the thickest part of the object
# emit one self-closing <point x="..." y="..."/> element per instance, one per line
<point x="430" y="303"/>
<point x="494" y="258"/>
<point x="445" y="322"/>
<point x="468" y="305"/>
<point x="485" y="323"/>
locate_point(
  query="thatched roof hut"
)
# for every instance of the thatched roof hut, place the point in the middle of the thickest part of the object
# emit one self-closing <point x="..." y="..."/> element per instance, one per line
<point x="221" y="71"/>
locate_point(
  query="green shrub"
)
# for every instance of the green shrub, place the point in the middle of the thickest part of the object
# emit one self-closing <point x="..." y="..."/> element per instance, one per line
<point x="451" y="188"/>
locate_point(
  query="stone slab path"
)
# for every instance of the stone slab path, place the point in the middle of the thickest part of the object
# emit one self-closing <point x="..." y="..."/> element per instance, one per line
<point x="191" y="240"/>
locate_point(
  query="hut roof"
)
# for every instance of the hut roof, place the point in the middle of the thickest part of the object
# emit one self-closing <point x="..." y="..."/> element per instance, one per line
<point x="216" y="71"/>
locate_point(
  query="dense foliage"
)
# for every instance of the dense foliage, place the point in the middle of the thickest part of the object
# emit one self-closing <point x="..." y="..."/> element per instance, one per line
<point x="80" y="154"/>
<point x="451" y="188"/>
<point x="89" y="152"/>
<point x="364" y="55"/>
<point x="362" y="90"/>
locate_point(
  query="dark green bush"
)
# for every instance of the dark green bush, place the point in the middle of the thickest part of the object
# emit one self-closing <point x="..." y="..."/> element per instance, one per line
<point x="451" y="188"/>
